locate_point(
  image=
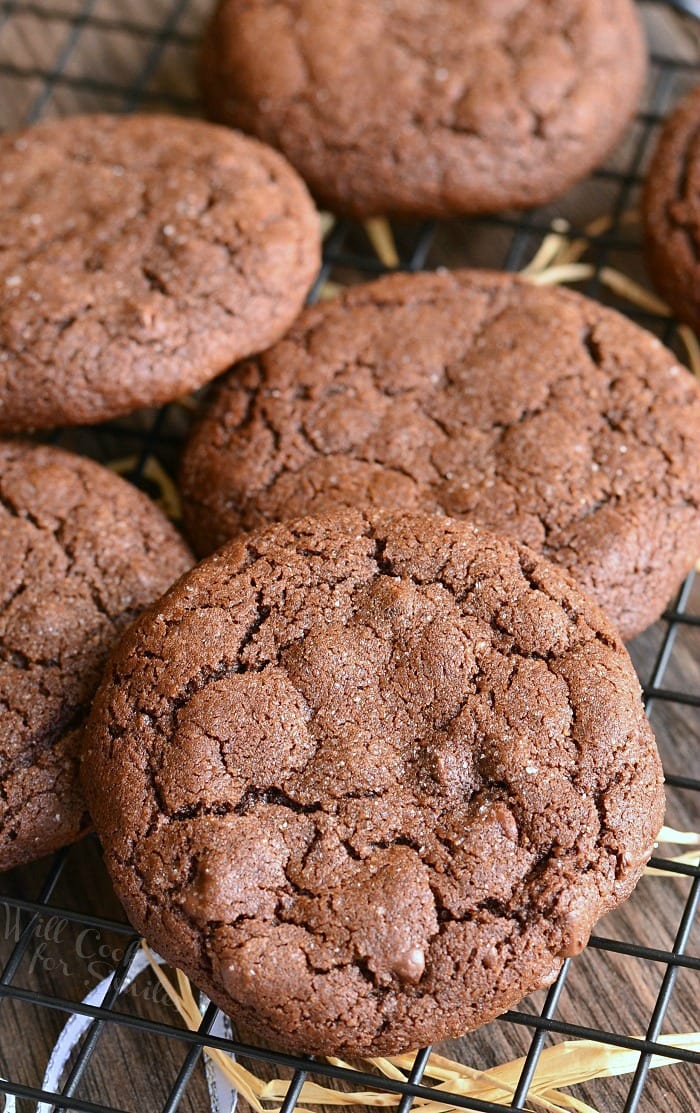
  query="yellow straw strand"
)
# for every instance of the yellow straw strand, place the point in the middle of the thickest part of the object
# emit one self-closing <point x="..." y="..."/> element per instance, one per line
<point x="678" y="838"/>
<point x="692" y="347"/>
<point x="566" y="1064"/>
<point x="567" y="272"/>
<point x="381" y="237"/>
<point x="620" y="284"/>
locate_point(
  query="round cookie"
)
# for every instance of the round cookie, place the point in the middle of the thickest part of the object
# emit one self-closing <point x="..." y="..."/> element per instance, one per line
<point x="141" y="256"/>
<point x="428" y="107"/>
<point x="671" y="211"/>
<point x="83" y="552"/>
<point x="368" y="779"/>
<point x="533" y="411"/>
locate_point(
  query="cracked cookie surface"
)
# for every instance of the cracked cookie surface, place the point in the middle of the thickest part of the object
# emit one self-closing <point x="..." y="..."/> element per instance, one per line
<point x="671" y="211"/>
<point x="534" y="412"/>
<point x="425" y="107"/>
<point x="139" y="257"/>
<point x="83" y="552"/>
<point x="368" y="779"/>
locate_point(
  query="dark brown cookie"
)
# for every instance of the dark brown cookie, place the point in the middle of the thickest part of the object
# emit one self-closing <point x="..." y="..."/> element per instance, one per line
<point x="369" y="779"/>
<point x="82" y="552"/>
<point x="535" y="412"/>
<point x="139" y="257"/>
<point x="671" y="211"/>
<point x="432" y="108"/>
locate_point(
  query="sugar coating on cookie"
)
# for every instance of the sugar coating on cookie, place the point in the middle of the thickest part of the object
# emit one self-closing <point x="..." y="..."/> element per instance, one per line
<point x="82" y="552"/>
<point x="425" y="107"/>
<point x="139" y="257"/>
<point x="671" y="211"/>
<point x="368" y="779"/>
<point x="534" y="412"/>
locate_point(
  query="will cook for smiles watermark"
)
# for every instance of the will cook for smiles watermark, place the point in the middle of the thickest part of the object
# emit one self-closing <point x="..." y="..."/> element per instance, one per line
<point x="59" y="947"/>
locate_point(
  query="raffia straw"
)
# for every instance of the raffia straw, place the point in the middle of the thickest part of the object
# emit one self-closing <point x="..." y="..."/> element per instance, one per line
<point x="123" y="465"/>
<point x="488" y="1085"/>
<point x="692" y="346"/>
<point x="481" y="1084"/>
<point x="566" y="1064"/>
<point x="550" y="249"/>
<point x="330" y="290"/>
<point x="315" y="1094"/>
<point x="678" y="838"/>
<point x="572" y="251"/>
<point x="381" y="237"/>
<point x="620" y="284"/>
<point x="327" y="223"/>
<point x="169" y="498"/>
<point x="565" y="272"/>
<point x="557" y="249"/>
<point x="558" y="261"/>
<point x="386" y="1066"/>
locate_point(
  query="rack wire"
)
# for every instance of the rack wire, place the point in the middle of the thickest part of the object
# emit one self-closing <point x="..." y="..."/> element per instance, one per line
<point x="61" y="929"/>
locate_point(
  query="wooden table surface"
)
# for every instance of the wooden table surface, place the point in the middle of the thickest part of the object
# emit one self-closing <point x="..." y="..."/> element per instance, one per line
<point x="114" y="55"/>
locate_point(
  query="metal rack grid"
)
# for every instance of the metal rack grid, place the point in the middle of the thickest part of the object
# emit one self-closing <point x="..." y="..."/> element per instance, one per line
<point x="641" y="970"/>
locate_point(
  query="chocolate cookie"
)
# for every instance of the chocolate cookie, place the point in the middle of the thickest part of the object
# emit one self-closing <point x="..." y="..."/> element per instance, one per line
<point x="369" y="779"/>
<point x="139" y="257"/>
<point x="429" y="108"/>
<point x="534" y="412"/>
<point x="82" y="554"/>
<point x="671" y="211"/>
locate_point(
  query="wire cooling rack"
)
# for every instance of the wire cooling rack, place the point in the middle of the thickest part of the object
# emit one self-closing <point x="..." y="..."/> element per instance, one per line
<point x="62" y="932"/>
